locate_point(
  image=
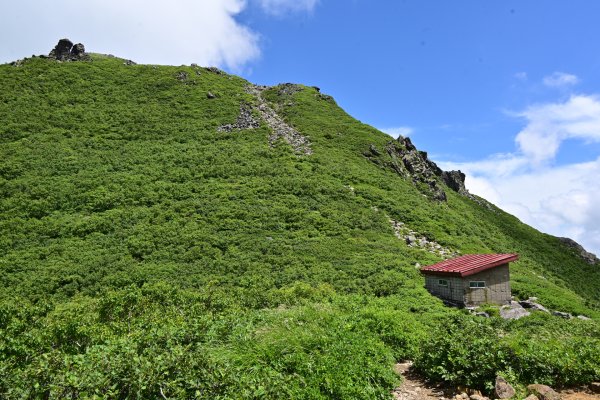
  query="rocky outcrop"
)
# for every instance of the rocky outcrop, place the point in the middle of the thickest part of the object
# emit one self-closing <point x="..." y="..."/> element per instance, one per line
<point x="407" y="161"/>
<point x="455" y="180"/>
<point x="65" y="50"/>
<point x="588" y="257"/>
<point x="411" y="163"/>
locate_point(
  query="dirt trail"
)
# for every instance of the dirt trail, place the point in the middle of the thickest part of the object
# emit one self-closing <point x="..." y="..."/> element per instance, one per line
<point x="414" y="387"/>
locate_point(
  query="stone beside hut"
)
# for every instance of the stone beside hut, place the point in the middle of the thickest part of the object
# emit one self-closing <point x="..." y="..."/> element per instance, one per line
<point x="471" y="279"/>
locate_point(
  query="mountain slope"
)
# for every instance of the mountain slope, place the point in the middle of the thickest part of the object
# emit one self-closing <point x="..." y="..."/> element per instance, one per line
<point x="189" y="203"/>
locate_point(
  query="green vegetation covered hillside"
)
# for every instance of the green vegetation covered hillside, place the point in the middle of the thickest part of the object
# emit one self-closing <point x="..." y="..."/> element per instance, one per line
<point x="176" y="232"/>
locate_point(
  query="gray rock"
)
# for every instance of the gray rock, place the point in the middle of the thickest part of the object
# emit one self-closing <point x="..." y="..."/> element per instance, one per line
<point x="66" y="51"/>
<point x="503" y="389"/>
<point x="513" y="311"/>
<point x="245" y="120"/>
<point x="531" y="303"/>
<point x="280" y="129"/>
<point x="562" y="314"/>
<point x="588" y="257"/>
<point x="62" y="50"/>
<point x="215" y="70"/>
<point x="532" y="397"/>
<point x="583" y="317"/>
<point x="482" y="314"/>
<point x="78" y="51"/>
<point x="374" y="150"/>
<point x="455" y="180"/>
<point x="543" y="392"/>
<point x="182" y="76"/>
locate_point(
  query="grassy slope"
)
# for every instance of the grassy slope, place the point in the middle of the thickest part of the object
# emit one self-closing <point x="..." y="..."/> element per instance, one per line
<point x="114" y="177"/>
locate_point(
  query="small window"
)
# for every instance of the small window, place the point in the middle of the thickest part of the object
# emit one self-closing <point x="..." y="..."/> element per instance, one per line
<point x="477" y="284"/>
<point x="443" y="282"/>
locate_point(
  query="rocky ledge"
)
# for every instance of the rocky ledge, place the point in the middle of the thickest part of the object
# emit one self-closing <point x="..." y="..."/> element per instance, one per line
<point x="407" y="161"/>
<point x="588" y="257"/>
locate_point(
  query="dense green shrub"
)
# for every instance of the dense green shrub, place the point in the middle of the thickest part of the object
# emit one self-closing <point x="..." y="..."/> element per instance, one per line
<point x="470" y="352"/>
<point x="146" y="254"/>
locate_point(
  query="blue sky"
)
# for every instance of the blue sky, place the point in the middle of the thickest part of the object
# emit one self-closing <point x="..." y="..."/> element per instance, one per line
<point x="507" y="91"/>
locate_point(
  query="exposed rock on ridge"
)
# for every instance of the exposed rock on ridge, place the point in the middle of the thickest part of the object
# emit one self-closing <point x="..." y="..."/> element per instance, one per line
<point x="413" y="164"/>
<point x="65" y="50"/>
<point x="588" y="257"/>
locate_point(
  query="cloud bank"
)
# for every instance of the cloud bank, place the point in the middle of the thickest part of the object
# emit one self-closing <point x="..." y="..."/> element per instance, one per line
<point x="561" y="200"/>
<point x="173" y="32"/>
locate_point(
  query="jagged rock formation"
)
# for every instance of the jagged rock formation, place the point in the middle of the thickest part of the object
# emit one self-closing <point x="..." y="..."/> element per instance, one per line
<point x="588" y="257"/>
<point x="413" y="164"/>
<point x="280" y="129"/>
<point x="65" y="50"/>
<point x="455" y="180"/>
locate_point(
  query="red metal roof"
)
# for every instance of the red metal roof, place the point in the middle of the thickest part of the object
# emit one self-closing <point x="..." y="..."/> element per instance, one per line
<point x="469" y="264"/>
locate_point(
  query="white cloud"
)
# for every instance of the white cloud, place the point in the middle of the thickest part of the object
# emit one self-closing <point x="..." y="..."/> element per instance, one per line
<point x="522" y="76"/>
<point x="560" y="200"/>
<point x="398" y="131"/>
<point x="550" y="124"/>
<point x="560" y="79"/>
<point x="147" y="31"/>
<point x="279" y="7"/>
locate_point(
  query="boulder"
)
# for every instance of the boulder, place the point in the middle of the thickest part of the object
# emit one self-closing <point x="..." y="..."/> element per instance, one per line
<point x="532" y="397"/>
<point x="583" y="317"/>
<point x="78" y="51"/>
<point x="543" y="392"/>
<point x="503" y="389"/>
<point x="513" y="311"/>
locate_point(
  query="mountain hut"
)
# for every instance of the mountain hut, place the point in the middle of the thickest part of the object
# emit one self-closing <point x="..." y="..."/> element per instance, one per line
<point x="471" y="279"/>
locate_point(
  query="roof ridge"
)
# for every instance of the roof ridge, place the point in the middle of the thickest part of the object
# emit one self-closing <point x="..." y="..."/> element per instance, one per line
<point x="469" y="264"/>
